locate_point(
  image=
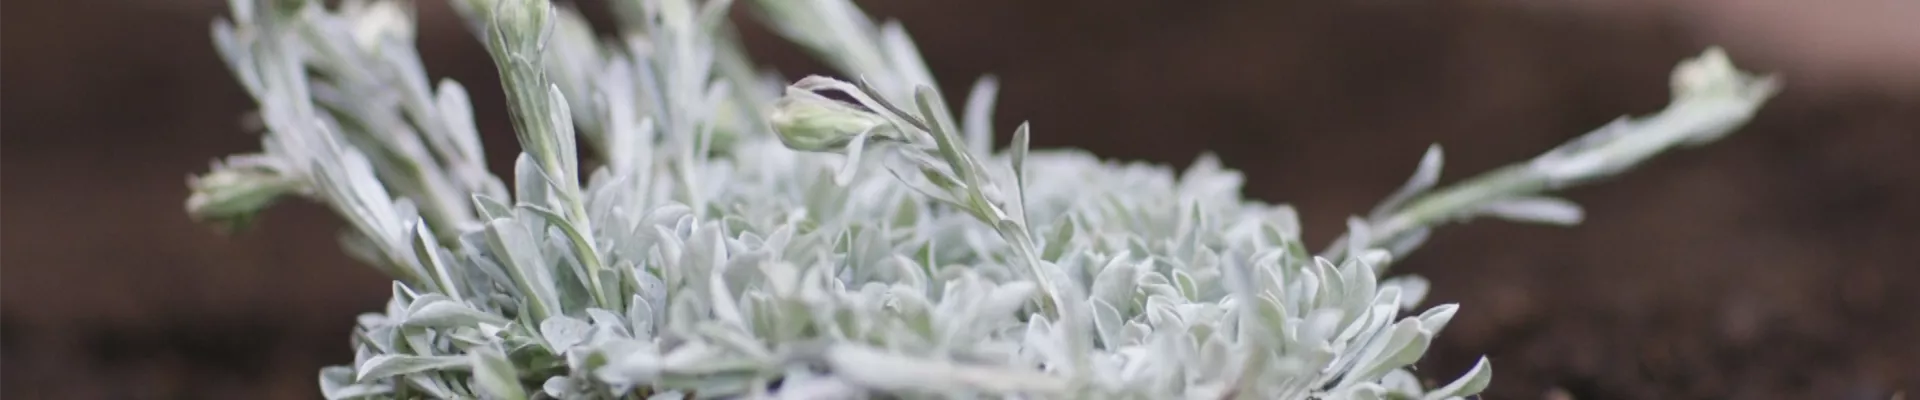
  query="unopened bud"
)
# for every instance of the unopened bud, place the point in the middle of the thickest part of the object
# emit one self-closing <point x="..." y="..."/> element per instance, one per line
<point x="810" y="122"/>
<point x="235" y="194"/>
<point x="378" y="21"/>
<point x="1710" y="74"/>
<point x="520" y="26"/>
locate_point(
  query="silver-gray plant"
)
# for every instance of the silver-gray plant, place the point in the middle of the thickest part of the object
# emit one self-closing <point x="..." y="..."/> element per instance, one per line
<point x="713" y="253"/>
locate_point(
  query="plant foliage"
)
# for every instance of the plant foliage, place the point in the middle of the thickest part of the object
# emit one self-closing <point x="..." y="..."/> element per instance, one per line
<point x="733" y="238"/>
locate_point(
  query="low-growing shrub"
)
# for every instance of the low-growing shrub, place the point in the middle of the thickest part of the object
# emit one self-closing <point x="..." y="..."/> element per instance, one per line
<point x="835" y="238"/>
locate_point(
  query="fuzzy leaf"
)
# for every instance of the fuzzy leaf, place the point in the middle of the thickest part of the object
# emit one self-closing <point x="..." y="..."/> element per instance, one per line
<point x="562" y="332"/>
<point x="1474" y="381"/>
<point x="494" y="375"/>
<point x="338" y="383"/>
<point x="1544" y="210"/>
<point x="387" y="365"/>
<point x="448" y="314"/>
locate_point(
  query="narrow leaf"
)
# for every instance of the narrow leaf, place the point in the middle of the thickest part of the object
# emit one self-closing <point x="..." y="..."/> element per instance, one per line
<point x="1475" y="380"/>
<point x="1424" y="178"/>
<point x="1021" y="140"/>
<point x="387" y="365"/>
<point x="457" y="112"/>
<point x="977" y="119"/>
<point x="532" y="185"/>
<point x="490" y="207"/>
<point x="1545" y="210"/>
<point x="337" y="383"/>
<point x="449" y="314"/>
<point x="892" y="372"/>
<point x="530" y="273"/>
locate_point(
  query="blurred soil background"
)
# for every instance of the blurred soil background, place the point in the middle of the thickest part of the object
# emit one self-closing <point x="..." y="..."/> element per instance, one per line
<point x="1779" y="263"/>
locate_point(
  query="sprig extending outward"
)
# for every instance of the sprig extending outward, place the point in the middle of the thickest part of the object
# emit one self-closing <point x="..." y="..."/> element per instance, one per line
<point x="369" y="91"/>
<point x="1710" y="100"/>
<point x="706" y="257"/>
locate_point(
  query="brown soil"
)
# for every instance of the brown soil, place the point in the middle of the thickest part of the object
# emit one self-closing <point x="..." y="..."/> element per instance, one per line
<point x="1775" y="264"/>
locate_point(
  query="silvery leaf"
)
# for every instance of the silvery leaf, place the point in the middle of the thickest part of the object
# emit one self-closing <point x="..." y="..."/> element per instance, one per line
<point x="1022" y="139"/>
<point x="530" y="274"/>
<point x="1424" y="178"/>
<point x="448" y="314"/>
<point x="1151" y="285"/>
<point x="457" y="278"/>
<point x="562" y="332"/>
<point x="1404" y="344"/>
<point x="632" y="367"/>
<point x="1403" y="383"/>
<point x="1107" y="322"/>
<point x="701" y="358"/>
<point x="457" y="113"/>
<point x="494" y="375"/>
<point x="1274" y="315"/>
<point x="1115" y="283"/>
<point x="1360" y="283"/>
<point x="1362" y="391"/>
<point x="433" y="386"/>
<point x="813" y="388"/>
<point x="913" y="309"/>
<point x="737" y="341"/>
<point x="1332" y="289"/>
<point x="386" y="365"/>
<point x="380" y="338"/>
<point x="1008" y="298"/>
<point x="642" y="311"/>
<point x="977" y="122"/>
<point x="531" y="184"/>
<point x="419" y="341"/>
<point x="1063" y="233"/>
<point x="338" y="383"/>
<point x="607" y="321"/>
<point x="1437" y="317"/>
<point x="1474" y="381"/>
<point x="1039" y="339"/>
<point x="490" y="207"/>
<point x="1215" y="356"/>
<point x="1544" y="210"/>
<point x="897" y="373"/>
<point x="1184" y="282"/>
<point x="465" y="337"/>
<point x="1319" y="326"/>
<point x="560" y="387"/>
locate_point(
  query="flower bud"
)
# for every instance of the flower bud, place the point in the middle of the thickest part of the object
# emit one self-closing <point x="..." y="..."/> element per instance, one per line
<point x="520" y="26"/>
<point x="376" y="22"/>
<point x="1710" y="74"/>
<point x="810" y="122"/>
<point x="233" y="195"/>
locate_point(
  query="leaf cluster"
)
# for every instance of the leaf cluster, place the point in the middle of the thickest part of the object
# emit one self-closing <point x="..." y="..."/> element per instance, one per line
<point x="731" y="238"/>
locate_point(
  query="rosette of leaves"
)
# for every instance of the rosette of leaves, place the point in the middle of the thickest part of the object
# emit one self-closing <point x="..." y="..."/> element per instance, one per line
<point x="707" y="249"/>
